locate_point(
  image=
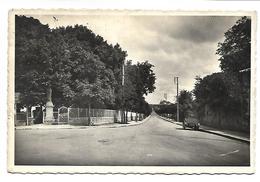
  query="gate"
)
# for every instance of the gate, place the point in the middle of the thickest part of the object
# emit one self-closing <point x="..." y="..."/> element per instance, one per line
<point x="38" y="115"/>
<point x="63" y="116"/>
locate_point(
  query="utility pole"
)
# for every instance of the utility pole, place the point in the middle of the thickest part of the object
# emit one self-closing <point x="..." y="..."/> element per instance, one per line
<point x="123" y="99"/>
<point x="176" y="81"/>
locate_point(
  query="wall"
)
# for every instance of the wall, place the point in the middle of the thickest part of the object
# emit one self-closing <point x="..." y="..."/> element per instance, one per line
<point x="223" y="120"/>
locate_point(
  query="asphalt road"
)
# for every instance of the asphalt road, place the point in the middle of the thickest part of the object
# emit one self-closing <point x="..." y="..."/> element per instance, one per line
<point x="155" y="142"/>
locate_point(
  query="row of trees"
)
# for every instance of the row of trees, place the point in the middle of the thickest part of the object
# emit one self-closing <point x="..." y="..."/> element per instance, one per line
<point x="168" y="109"/>
<point x="226" y="92"/>
<point x="78" y="67"/>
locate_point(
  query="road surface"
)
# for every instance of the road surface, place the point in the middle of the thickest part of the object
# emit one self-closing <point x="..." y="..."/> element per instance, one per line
<point x="156" y="142"/>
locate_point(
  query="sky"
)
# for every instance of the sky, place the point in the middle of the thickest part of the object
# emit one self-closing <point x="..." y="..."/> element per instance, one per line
<point x="183" y="46"/>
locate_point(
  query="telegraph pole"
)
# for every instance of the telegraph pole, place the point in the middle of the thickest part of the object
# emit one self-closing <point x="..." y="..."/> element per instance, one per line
<point x="123" y="99"/>
<point x="176" y="81"/>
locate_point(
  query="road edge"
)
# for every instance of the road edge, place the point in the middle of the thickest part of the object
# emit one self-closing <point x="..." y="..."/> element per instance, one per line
<point x="85" y="127"/>
<point x="211" y="132"/>
<point x="226" y="135"/>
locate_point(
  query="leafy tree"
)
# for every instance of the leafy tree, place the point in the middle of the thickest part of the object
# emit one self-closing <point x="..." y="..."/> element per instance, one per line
<point x="220" y="91"/>
<point x="146" y="78"/>
<point x="165" y="109"/>
<point x="235" y="60"/>
<point x="42" y="62"/>
<point x="143" y="80"/>
<point x="31" y="53"/>
<point x="64" y="62"/>
<point x="136" y="86"/>
<point x="93" y="84"/>
<point x="130" y="96"/>
<point x="78" y="67"/>
<point x="235" y="51"/>
<point x="58" y="71"/>
<point x="96" y="67"/>
<point x="185" y="102"/>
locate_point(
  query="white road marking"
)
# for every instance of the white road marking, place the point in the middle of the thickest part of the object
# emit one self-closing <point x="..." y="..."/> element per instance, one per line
<point x="149" y="155"/>
<point x="235" y="151"/>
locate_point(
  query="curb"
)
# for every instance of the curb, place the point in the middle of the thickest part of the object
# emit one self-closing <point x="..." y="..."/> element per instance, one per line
<point x="226" y="135"/>
<point x="212" y="132"/>
<point x="126" y="125"/>
<point x="88" y="127"/>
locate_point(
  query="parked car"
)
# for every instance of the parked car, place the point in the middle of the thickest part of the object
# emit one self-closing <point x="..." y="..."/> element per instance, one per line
<point x="191" y="121"/>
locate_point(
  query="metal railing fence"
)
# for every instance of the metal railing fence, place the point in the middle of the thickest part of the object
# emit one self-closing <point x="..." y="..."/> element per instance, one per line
<point x="90" y="116"/>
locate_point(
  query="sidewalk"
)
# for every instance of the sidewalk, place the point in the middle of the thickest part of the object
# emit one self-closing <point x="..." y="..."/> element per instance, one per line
<point x="67" y="126"/>
<point x="244" y="137"/>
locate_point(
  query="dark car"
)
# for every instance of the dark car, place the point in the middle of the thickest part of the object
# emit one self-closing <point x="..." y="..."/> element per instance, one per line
<point x="191" y="121"/>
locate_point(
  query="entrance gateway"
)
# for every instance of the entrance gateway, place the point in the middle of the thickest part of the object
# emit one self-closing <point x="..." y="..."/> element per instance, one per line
<point x="63" y="115"/>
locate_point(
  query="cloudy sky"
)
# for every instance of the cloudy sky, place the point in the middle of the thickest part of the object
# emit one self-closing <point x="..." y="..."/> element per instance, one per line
<point x="181" y="46"/>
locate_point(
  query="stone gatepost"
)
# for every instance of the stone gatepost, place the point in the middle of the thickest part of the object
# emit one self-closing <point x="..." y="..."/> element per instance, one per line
<point x="49" y="108"/>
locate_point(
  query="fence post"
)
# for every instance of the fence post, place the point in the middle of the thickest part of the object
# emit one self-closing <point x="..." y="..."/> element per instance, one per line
<point x="68" y="114"/>
<point x="58" y="115"/>
<point x="43" y="117"/>
<point x="27" y="122"/>
<point x="89" y="119"/>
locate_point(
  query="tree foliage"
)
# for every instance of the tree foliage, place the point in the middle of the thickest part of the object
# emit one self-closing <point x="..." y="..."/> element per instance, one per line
<point x="32" y="56"/>
<point x="139" y="81"/>
<point x="79" y="66"/>
<point x="235" y="51"/>
<point x="220" y="91"/>
<point x="165" y="108"/>
<point x="228" y="91"/>
<point x="185" y="103"/>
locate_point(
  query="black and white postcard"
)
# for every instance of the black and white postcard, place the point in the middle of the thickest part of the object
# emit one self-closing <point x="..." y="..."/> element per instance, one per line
<point x="120" y="91"/>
